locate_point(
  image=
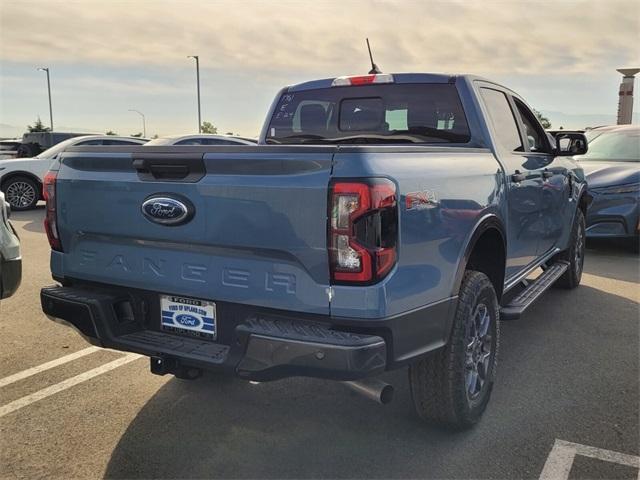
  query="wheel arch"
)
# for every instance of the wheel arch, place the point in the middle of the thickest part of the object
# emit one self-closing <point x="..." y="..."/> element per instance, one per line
<point x="21" y="173"/>
<point x="584" y="200"/>
<point x="481" y="254"/>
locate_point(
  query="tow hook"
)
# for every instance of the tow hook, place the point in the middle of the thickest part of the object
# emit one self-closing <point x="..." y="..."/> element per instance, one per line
<point x="164" y="365"/>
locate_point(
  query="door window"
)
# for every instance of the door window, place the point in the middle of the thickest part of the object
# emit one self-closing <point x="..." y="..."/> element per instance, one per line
<point x="190" y="141"/>
<point x="121" y="142"/>
<point x="533" y="132"/>
<point x="503" y="120"/>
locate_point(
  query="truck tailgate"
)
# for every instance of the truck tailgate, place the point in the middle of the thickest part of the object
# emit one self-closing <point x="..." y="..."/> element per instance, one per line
<point x="257" y="235"/>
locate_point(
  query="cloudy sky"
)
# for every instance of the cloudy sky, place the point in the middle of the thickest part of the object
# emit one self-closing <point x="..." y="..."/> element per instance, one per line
<point x="107" y="57"/>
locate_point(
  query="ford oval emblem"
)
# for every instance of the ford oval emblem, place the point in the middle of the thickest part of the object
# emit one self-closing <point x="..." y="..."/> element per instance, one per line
<point x="187" y="320"/>
<point x="167" y="210"/>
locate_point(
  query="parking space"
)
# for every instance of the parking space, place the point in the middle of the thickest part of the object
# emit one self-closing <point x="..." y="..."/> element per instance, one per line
<point x="565" y="404"/>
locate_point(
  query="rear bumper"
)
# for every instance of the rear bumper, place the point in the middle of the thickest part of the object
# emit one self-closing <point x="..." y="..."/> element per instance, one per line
<point x="10" y="276"/>
<point x="252" y="343"/>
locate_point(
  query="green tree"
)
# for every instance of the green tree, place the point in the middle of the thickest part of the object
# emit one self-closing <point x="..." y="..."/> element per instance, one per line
<point x="207" y="127"/>
<point x="110" y="132"/>
<point x="38" y="126"/>
<point x="139" y="134"/>
<point x="544" y="121"/>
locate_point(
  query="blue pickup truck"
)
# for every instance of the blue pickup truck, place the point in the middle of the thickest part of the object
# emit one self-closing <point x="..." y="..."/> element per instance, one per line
<point x="383" y="221"/>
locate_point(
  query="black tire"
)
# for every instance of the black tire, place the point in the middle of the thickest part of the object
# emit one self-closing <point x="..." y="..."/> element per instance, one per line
<point x="22" y="193"/>
<point x="574" y="255"/>
<point x="28" y="150"/>
<point x="633" y="244"/>
<point x="441" y="383"/>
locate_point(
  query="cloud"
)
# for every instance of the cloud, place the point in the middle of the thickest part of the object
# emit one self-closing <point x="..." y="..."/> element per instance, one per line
<point x="325" y="38"/>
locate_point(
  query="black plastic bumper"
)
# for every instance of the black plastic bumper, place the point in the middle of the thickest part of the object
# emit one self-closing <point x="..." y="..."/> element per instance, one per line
<point x="10" y="276"/>
<point x="260" y="347"/>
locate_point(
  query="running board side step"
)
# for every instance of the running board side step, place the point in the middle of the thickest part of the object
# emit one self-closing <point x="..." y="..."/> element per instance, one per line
<point x="530" y="294"/>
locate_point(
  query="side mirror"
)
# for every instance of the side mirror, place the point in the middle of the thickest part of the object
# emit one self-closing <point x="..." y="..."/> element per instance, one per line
<point x="570" y="143"/>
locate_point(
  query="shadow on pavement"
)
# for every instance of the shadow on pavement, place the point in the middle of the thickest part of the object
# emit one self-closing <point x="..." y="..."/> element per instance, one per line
<point x="612" y="259"/>
<point x="35" y="218"/>
<point x="567" y="370"/>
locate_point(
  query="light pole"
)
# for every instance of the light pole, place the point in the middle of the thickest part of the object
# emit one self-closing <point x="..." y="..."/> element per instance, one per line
<point x="46" y="69"/>
<point x="197" y="59"/>
<point x="144" y="124"/>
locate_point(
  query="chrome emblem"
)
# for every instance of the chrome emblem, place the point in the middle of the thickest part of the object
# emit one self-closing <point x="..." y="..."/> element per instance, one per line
<point x="166" y="210"/>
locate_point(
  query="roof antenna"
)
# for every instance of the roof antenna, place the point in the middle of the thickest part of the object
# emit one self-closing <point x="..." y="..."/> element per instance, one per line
<point x="374" y="67"/>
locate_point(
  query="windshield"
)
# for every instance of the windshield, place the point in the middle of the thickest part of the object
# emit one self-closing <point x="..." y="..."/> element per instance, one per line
<point x="57" y="148"/>
<point x="393" y="113"/>
<point x="622" y="145"/>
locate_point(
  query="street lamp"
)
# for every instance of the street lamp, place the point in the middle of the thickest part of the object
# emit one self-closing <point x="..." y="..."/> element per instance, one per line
<point x="144" y="125"/>
<point x="197" y="59"/>
<point x="46" y="69"/>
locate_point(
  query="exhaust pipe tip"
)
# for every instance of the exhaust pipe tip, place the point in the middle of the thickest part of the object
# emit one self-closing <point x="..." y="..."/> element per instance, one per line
<point x="373" y="389"/>
<point x="386" y="395"/>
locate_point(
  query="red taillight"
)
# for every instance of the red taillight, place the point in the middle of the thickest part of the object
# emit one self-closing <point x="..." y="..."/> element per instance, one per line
<point x="362" y="230"/>
<point x="50" y="219"/>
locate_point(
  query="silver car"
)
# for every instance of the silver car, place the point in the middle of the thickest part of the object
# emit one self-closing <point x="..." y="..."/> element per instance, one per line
<point x="201" y="139"/>
<point x="10" y="260"/>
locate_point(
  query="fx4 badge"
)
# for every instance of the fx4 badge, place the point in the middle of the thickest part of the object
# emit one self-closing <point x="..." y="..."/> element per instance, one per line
<point x="421" y="200"/>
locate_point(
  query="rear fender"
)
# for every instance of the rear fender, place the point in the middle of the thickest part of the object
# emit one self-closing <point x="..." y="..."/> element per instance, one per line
<point x="487" y="222"/>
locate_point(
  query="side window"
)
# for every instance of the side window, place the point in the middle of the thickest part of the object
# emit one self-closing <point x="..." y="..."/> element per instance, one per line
<point x="89" y="142"/>
<point x="219" y="141"/>
<point x="532" y="129"/>
<point x="190" y="141"/>
<point x="502" y="118"/>
<point x="120" y="142"/>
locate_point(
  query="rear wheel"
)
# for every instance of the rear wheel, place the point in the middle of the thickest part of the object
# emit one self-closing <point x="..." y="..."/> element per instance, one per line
<point x="574" y="255"/>
<point x="28" y="150"/>
<point x="451" y="387"/>
<point x="22" y="193"/>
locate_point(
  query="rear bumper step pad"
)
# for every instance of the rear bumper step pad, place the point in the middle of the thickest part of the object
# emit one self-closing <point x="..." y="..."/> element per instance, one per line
<point x="263" y="348"/>
<point x="531" y="293"/>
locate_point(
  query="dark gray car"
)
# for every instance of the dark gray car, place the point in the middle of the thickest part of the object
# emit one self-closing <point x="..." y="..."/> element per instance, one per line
<point x="10" y="260"/>
<point x="612" y="168"/>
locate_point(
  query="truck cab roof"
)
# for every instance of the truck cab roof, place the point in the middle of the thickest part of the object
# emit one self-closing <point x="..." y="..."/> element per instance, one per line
<point x="397" y="78"/>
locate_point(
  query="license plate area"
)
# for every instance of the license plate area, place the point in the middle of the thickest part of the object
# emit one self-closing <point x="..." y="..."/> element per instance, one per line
<point x="188" y="316"/>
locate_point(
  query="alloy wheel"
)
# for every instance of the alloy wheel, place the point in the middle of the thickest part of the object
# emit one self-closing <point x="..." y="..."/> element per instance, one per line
<point x="20" y="194"/>
<point x="578" y="254"/>
<point x="478" y="351"/>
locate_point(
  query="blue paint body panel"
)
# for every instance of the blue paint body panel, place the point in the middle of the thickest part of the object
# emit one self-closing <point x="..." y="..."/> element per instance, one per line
<point x="259" y="233"/>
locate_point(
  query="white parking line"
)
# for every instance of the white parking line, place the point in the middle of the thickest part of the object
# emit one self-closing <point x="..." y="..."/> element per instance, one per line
<point x="46" y="366"/>
<point x="68" y="383"/>
<point x="560" y="460"/>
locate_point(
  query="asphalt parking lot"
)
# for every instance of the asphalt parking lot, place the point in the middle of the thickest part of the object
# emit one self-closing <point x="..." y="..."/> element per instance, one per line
<point x="566" y="403"/>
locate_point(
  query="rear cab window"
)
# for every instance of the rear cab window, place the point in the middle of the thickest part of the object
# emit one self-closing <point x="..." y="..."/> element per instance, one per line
<point x="391" y="113"/>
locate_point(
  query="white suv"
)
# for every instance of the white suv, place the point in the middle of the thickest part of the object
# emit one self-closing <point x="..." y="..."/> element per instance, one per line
<point x="21" y="178"/>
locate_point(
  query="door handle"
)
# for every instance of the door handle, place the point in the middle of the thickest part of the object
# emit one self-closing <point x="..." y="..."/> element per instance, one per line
<point x="518" y="177"/>
<point x="547" y="174"/>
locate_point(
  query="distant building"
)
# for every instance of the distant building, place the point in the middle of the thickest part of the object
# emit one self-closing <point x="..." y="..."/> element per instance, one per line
<point x="625" y="103"/>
